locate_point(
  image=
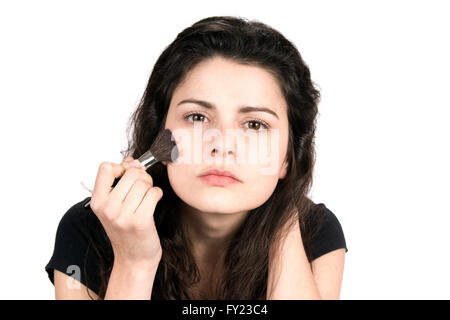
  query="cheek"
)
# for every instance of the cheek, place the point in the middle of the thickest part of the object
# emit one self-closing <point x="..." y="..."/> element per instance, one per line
<point x="258" y="191"/>
<point x="268" y="153"/>
<point x="180" y="177"/>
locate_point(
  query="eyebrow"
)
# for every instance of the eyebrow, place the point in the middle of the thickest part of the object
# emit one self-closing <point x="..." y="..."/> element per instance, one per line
<point x="242" y="109"/>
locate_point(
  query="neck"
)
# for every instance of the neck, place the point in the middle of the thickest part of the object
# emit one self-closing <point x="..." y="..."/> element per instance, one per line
<point x="210" y="233"/>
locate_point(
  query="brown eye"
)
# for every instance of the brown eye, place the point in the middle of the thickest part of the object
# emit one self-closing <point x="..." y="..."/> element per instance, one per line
<point x="196" y="117"/>
<point x="257" y="125"/>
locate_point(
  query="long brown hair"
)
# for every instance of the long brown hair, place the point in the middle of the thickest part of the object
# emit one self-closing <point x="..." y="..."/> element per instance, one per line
<point x="247" y="256"/>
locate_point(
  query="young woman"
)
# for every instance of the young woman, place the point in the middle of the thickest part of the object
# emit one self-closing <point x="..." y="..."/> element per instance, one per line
<point x="180" y="231"/>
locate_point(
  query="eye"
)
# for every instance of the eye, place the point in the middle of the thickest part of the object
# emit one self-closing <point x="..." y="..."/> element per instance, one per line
<point x="256" y="125"/>
<point x="195" y="117"/>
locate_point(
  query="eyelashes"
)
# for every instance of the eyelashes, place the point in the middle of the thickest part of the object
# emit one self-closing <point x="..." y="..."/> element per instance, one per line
<point x="259" y="122"/>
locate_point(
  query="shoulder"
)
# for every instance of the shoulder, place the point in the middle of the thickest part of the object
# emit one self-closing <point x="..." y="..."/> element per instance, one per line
<point x="74" y="219"/>
<point x="327" y="232"/>
<point x="71" y="229"/>
<point x="78" y="223"/>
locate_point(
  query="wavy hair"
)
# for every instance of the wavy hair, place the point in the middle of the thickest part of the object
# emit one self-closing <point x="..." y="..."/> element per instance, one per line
<point x="247" y="256"/>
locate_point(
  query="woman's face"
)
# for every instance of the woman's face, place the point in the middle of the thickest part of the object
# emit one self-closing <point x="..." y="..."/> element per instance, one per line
<point x="224" y="131"/>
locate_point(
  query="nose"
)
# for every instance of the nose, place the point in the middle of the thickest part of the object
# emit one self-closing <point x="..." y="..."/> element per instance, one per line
<point x="219" y="140"/>
<point x="223" y="146"/>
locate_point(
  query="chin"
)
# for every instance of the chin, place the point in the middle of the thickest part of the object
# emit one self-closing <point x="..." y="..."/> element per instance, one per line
<point x="215" y="204"/>
<point x="216" y="209"/>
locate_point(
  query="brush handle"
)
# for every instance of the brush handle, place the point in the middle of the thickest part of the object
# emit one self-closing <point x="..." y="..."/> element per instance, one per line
<point x="147" y="160"/>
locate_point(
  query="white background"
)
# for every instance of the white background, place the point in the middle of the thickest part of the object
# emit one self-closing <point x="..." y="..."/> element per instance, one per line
<point x="71" y="74"/>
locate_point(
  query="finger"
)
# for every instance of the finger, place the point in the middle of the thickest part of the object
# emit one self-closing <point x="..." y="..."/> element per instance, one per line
<point x="126" y="182"/>
<point x="126" y="163"/>
<point x="134" y="197"/>
<point x="107" y="172"/>
<point x="147" y="208"/>
<point x="137" y="164"/>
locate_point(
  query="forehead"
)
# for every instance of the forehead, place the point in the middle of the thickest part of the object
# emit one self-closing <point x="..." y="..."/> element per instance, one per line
<point x="229" y="84"/>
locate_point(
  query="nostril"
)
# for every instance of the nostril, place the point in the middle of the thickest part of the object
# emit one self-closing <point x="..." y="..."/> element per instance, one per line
<point x="215" y="150"/>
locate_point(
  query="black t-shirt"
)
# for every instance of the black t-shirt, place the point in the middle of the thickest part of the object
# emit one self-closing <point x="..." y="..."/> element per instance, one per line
<point x="74" y="256"/>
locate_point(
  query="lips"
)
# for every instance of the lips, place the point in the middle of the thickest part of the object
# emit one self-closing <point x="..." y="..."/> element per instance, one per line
<point x="219" y="177"/>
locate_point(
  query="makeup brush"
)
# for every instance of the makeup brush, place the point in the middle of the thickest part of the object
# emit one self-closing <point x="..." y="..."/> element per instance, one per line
<point x="163" y="148"/>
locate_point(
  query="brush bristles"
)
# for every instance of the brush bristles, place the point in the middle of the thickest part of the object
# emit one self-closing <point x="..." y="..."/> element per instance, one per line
<point x="163" y="148"/>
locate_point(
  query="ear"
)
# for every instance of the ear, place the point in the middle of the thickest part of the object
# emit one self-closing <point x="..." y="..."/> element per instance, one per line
<point x="164" y="163"/>
<point x="283" y="170"/>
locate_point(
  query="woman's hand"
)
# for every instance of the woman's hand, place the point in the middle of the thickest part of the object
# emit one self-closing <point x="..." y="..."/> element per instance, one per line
<point x="126" y="212"/>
